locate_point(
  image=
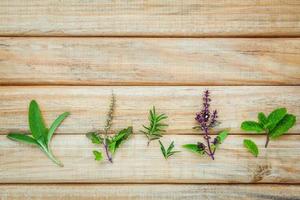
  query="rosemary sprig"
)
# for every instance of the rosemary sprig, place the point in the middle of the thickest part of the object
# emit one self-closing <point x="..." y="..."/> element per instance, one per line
<point x="156" y="128"/>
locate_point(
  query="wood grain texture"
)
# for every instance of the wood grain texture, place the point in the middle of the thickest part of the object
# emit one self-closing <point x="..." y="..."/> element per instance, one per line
<point x="150" y="18"/>
<point x="137" y="163"/>
<point x="148" y="192"/>
<point x="89" y="105"/>
<point x="149" y="61"/>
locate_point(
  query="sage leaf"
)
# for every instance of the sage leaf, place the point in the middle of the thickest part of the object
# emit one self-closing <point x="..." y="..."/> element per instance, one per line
<point x="275" y="117"/>
<point x="36" y="122"/>
<point x="193" y="148"/>
<point x="56" y="124"/>
<point x="98" y="155"/>
<point x="283" y="126"/>
<point x="19" y="137"/>
<point x="252" y="126"/>
<point x="251" y="146"/>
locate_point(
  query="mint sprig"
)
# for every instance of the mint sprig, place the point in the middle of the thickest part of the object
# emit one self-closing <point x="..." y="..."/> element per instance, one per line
<point x="41" y="136"/>
<point x="275" y="125"/>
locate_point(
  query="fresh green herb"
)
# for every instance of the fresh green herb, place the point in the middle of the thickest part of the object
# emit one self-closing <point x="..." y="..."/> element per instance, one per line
<point x="156" y="128"/>
<point x="41" y="136"/>
<point x="169" y="152"/>
<point x="276" y="124"/>
<point x="251" y="146"/>
<point x="207" y="120"/>
<point x="110" y="143"/>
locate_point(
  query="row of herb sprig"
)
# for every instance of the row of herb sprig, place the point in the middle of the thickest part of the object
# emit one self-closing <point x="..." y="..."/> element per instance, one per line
<point x="274" y="125"/>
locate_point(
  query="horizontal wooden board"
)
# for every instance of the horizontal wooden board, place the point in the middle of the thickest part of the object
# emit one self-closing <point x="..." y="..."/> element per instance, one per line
<point x="89" y="105"/>
<point x="150" y="18"/>
<point x="137" y="163"/>
<point x="149" y="61"/>
<point x="148" y="192"/>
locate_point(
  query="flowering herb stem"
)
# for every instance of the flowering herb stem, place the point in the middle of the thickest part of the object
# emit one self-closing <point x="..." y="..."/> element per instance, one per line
<point x="207" y="120"/>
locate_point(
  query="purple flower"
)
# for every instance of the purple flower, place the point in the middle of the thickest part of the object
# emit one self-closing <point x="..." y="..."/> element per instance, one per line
<point x="207" y="120"/>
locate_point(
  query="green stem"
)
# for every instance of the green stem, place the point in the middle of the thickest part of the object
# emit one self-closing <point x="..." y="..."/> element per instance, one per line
<point x="51" y="156"/>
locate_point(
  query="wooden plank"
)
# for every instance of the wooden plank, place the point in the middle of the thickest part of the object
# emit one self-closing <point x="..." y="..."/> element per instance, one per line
<point x="148" y="192"/>
<point x="150" y="18"/>
<point x="89" y="105"/>
<point x="137" y="163"/>
<point x="149" y="61"/>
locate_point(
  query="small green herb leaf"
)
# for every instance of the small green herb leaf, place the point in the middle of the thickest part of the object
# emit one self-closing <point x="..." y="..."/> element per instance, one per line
<point x="163" y="150"/>
<point x="263" y="120"/>
<point x="194" y="148"/>
<point x="94" y="137"/>
<point x="275" y="117"/>
<point x="19" y="137"/>
<point x="56" y="124"/>
<point x="283" y="126"/>
<point x="36" y="122"/>
<point x="116" y="141"/>
<point x="251" y="146"/>
<point x="252" y="126"/>
<point x="167" y="153"/>
<point x="98" y="155"/>
<point x="222" y="136"/>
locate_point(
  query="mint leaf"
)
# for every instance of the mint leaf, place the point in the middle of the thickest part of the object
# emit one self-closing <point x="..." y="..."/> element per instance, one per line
<point x="98" y="155"/>
<point x="252" y="126"/>
<point x="94" y="137"/>
<point x="283" y="126"/>
<point x="56" y="124"/>
<point x="36" y="122"/>
<point x="22" y="138"/>
<point x="275" y="117"/>
<point x="193" y="148"/>
<point x="263" y="120"/>
<point x="251" y="146"/>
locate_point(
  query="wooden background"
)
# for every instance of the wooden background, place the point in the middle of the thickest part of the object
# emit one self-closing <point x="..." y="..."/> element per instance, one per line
<point x="70" y="54"/>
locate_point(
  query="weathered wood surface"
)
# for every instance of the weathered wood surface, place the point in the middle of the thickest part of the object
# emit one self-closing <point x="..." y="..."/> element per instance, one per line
<point x="149" y="61"/>
<point x="88" y="105"/>
<point x="150" y="18"/>
<point x="148" y="192"/>
<point x="137" y="163"/>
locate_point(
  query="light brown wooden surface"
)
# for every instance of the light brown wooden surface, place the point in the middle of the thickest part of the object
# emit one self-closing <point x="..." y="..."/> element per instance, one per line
<point x="137" y="163"/>
<point x="150" y="18"/>
<point x="149" y="61"/>
<point x="148" y="192"/>
<point x="88" y="105"/>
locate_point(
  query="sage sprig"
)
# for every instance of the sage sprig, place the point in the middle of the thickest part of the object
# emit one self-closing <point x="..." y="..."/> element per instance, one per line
<point x="276" y="124"/>
<point x="156" y="128"/>
<point x="169" y="151"/>
<point x="109" y="143"/>
<point x="41" y="136"/>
